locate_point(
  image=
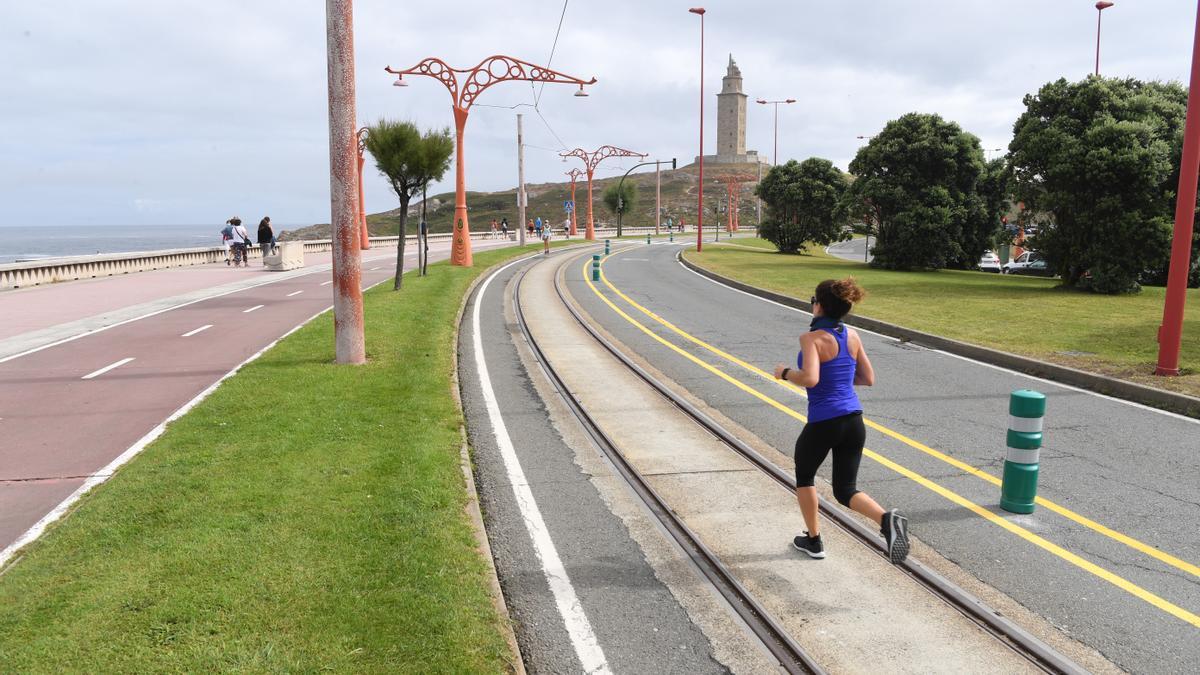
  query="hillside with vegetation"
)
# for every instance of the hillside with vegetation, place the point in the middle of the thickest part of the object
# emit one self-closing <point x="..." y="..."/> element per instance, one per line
<point x="546" y="201"/>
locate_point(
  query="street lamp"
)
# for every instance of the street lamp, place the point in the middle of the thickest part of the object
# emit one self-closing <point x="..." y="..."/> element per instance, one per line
<point x="574" y="175"/>
<point x="463" y="92"/>
<point x="590" y="161"/>
<point x="776" y="105"/>
<point x="364" y="239"/>
<point x="700" y="182"/>
<point x="1100" y="7"/>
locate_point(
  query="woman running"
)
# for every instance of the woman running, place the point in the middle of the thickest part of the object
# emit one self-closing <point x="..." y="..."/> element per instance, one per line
<point x="831" y="361"/>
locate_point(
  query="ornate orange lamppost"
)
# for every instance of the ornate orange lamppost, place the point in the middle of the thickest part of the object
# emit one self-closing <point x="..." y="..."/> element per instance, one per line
<point x="463" y="92"/>
<point x="364" y="237"/>
<point x="733" y="183"/>
<point x="590" y="161"/>
<point x="574" y="175"/>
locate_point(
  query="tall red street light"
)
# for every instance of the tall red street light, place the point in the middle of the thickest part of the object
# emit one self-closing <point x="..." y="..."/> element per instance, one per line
<point x="776" y="105"/>
<point x="463" y="93"/>
<point x="574" y="175"/>
<point x="1170" y="334"/>
<point x="590" y="161"/>
<point x="1100" y="7"/>
<point x="364" y="237"/>
<point x="700" y="183"/>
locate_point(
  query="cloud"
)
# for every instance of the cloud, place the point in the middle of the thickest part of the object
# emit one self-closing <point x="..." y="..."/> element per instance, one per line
<point x="137" y="112"/>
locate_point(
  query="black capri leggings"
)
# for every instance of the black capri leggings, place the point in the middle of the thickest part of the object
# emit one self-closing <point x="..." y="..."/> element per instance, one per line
<point x="844" y="435"/>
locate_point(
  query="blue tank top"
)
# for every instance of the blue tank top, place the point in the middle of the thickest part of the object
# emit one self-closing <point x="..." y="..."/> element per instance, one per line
<point x="834" y="394"/>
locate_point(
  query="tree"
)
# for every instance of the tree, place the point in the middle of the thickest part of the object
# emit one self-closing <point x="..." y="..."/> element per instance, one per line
<point x="628" y="192"/>
<point x="802" y="201"/>
<point x="409" y="160"/>
<point x="918" y="182"/>
<point x="1101" y="157"/>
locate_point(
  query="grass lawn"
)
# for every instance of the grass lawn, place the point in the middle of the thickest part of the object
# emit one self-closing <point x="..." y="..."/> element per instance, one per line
<point x="1115" y="335"/>
<point x="304" y="517"/>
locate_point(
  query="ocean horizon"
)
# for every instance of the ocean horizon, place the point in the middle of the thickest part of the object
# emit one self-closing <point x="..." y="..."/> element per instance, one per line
<point x="55" y="241"/>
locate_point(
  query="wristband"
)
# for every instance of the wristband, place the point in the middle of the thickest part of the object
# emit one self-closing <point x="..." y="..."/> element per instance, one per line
<point x="785" y="373"/>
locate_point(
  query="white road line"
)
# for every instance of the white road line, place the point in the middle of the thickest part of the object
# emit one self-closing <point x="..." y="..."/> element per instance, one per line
<point x="587" y="648"/>
<point x="190" y="333"/>
<point x="109" y="469"/>
<point x="1035" y="378"/>
<point x="327" y="283"/>
<point x="105" y="369"/>
<point x="294" y="293"/>
<point x="374" y="268"/>
<point x="247" y="311"/>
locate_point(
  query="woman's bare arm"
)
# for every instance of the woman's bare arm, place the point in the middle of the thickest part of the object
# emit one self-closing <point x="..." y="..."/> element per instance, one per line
<point x="864" y="374"/>
<point x="810" y="374"/>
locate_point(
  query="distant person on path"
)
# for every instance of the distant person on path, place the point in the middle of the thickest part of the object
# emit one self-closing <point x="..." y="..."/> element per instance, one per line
<point x="227" y="238"/>
<point x="537" y="226"/>
<point x="266" y="237"/>
<point x="504" y="227"/>
<point x="240" y="241"/>
<point x="567" y="228"/>
<point x="529" y="226"/>
<point x="545" y="234"/>
<point x="495" y="228"/>
<point x="831" y="361"/>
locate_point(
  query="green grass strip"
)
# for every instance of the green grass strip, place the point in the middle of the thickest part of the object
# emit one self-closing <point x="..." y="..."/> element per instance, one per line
<point x="304" y="517"/>
<point x="1111" y="334"/>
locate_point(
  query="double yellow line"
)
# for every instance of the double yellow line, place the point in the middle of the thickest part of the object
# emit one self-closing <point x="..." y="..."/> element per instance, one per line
<point x="1074" y="559"/>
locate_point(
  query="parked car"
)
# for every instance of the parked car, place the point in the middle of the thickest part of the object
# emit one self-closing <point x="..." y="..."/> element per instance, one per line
<point x="990" y="262"/>
<point x="1023" y="260"/>
<point x="1037" y="268"/>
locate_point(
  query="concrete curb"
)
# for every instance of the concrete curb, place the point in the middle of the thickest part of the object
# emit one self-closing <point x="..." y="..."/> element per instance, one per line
<point x="482" y="542"/>
<point x="1123" y="389"/>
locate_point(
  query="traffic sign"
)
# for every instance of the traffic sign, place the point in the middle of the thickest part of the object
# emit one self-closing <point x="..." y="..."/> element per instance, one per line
<point x="569" y="206"/>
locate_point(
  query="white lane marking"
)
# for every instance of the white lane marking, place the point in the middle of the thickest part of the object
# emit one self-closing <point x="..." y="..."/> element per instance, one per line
<point x="374" y="268"/>
<point x="156" y="312"/>
<point x="327" y="283"/>
<point x="247" y="311"/>
<point x="587" y="648"/>
<point x="109" y="469"/>
<point x="1035" y="378"/>
<point x="105" y="369"/>
<point x="294" y="293"/>
<point x="192" y="332"/>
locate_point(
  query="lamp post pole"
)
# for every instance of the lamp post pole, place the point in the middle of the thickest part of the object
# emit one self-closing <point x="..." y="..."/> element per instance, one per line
<point x="1100" y="7"/>
<point x="348" y="340"/>
<point x="364" y="237"/>
<point x="590" y="161"/>
<point x="775" y="156"/>
<point x="465" y="85"/>
<point x="700" y="182"/>
<point x="1170" y="334"/>
<point x="574" y="175"/>
<point x="520" y="182"/>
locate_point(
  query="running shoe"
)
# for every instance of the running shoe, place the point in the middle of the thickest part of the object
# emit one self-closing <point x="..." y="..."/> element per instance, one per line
<point x="810" y="545"/>
<point x="895" y="533"/>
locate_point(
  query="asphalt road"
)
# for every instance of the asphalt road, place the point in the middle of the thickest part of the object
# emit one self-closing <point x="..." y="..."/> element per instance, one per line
<point x="637" y="622"/>
<point x="855" y="249"/>
<point x="1124" y="467"/>
<point x="68" y="410"/>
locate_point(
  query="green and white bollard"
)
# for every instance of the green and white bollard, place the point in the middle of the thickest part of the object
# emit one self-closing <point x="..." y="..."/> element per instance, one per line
<point x="596" y="267"/>
<point x="606" y="249"/>
<point x="671" y="236"/>
<point x="1018" y="490"/>
<point x="647" y="238"/>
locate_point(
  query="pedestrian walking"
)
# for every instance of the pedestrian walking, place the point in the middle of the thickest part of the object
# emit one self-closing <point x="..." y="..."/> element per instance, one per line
<point x="545" y="234"/>
<point x="495" y="228"/>
<point x="529" y="226"/>
<point x="240" y="242"/>
<point x="504" y="228"/>
<point x="537" y="226"/>
<point x="832" y="360"/>
<point x="227" y="238"/>
<point x="266" y="237"/>
<point x="567" y="228"/>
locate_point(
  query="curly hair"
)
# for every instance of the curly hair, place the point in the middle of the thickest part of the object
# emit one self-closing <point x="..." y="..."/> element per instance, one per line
<point x="837" y="296"/>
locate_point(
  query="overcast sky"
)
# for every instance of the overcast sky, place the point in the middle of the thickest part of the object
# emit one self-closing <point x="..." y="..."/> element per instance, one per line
<point x="188" y="112"/>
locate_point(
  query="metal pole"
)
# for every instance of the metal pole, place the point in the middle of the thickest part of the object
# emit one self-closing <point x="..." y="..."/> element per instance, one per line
<point x="520" y="182"/>
<point x="775" y="160"/>
<point x="1099" y="13"/>
<point x="343" y="188"/>
<point x="757" y="197"/>
<point x="423" y="232"/>
<point x="657" y="198"/>
<point x="1170" y="334"/>
<point x="700" y="189"/>
<point x="364" y="235"/>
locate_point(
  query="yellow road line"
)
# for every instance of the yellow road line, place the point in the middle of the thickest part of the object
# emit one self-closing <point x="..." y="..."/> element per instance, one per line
<point x="1139" y="546"/>
<point x="1118" y="581"/>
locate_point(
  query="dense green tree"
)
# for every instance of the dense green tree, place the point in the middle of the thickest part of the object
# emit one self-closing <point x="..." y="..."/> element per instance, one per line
<point x="802" y="201"/>
<point x="1101" y="158"/>
<point x="409" y="160"/>
<point x="919" y="182"/>
<point x="628" y="192"/>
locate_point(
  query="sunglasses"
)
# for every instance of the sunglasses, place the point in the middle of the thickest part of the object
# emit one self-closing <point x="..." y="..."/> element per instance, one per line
<point x="812" y="300"/>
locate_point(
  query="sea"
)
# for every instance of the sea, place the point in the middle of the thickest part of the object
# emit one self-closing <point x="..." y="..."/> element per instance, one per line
<point x="53" y="241"/>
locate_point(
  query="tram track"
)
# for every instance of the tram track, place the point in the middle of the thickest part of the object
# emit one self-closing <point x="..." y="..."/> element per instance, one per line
<point x="791" y="656"/>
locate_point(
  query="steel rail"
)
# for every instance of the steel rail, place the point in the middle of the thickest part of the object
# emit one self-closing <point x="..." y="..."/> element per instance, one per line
<point x="1004" y="629"/>
<point x="765" y="627"/>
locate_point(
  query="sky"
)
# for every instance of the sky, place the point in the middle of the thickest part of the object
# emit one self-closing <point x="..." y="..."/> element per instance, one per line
<point x="146" y="113"/>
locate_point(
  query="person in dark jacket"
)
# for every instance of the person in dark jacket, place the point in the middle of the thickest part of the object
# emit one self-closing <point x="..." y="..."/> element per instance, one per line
<point x="266" y="237"/>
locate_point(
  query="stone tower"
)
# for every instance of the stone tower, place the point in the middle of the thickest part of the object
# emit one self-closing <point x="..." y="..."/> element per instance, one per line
<point x="731" y="113"/>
